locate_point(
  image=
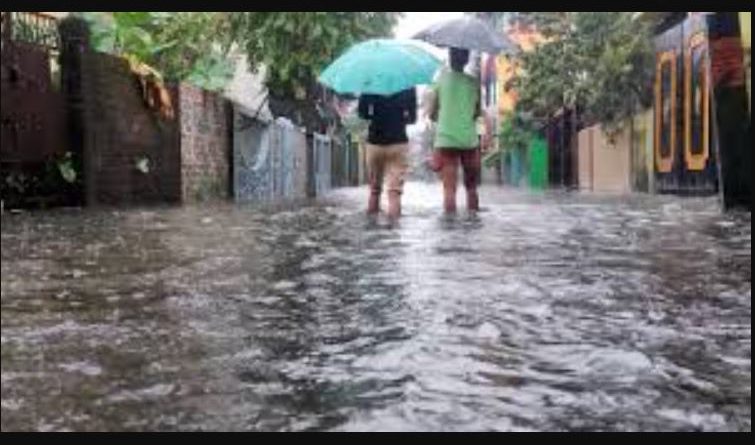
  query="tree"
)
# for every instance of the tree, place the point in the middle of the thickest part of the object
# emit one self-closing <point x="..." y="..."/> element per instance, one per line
<point x="189" y="46"/>
<point x="294" y="47"/>
<point x="199" y="48"/>
<point x="600" y="63"/>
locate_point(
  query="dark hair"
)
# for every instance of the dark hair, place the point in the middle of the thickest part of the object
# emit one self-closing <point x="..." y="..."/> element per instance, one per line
<point x="459" y="58"/>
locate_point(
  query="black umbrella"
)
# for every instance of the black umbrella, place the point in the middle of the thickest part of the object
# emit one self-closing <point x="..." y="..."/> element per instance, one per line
<point x="467" y="33"/>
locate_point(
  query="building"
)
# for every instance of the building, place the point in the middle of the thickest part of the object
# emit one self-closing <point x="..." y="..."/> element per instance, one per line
<point x="745" y="19"/>
<point x="516" y="166"/>
<point x="695" y="139"/>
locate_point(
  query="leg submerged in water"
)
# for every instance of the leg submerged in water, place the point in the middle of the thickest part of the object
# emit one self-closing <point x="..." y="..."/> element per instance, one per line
<point x="472" y="165"/>
<point x="396" y="168"/>
<point x="375" y="174"/>
<point x="373" y="204"/>
<point x="450" y="186"/>
<point x="449" y="171"/>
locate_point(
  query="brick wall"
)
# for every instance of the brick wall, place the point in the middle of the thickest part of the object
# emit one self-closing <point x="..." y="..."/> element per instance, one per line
<point x="205" y="144"/>
<point x="120" y="131"/>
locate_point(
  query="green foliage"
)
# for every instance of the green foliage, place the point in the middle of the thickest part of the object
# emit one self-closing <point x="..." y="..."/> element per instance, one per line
<point x="123" y="33"/>
<point x="517" y="131"/>
<point x="57" y="180"/>
<point x="67" y="169"/>
<point x="296" y="46"/>
<point x="196" y="48"/>
<point x="211" y="73"/>
<point x="143" y="165"/>
<point x="600" y="63"/>
<point x="189" y="46"/>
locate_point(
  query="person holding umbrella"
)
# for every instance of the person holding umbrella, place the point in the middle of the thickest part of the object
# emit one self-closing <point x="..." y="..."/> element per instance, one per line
<point x="388" y="146"/>
<point x="458" y="105"/>
<point x="456" y="108"/>
<point x="384" y="73"/>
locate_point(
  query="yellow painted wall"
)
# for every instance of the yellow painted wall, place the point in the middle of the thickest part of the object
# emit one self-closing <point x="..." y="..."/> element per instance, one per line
<point x="745" y="18"/>
<point x="604" y="166"/>
<point x="621" y="166"/>
<point x="507" y="69"/>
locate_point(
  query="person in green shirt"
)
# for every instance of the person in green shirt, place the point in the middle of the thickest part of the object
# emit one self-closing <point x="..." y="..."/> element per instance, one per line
<point x="456" y="108"/>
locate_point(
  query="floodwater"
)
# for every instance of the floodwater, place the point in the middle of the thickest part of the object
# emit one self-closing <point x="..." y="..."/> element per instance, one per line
<point x="550" y="312"/>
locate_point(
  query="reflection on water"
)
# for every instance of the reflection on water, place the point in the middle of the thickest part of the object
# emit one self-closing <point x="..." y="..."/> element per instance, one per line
<point x="546" y="312"/>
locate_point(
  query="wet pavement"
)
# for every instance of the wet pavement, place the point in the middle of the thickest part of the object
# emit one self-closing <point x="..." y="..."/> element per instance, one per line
<point x="546" y="312"/>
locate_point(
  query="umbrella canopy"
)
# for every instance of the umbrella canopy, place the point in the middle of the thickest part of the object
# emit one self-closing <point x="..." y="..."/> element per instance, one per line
<point x="382" y="67"/>
<point x="467" y="33"/>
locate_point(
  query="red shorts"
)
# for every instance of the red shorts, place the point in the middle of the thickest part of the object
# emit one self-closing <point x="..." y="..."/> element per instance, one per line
<point x="469" y="159"/>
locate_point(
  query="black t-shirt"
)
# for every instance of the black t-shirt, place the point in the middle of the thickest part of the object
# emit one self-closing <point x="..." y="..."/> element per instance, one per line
<point x="389" y="116"/>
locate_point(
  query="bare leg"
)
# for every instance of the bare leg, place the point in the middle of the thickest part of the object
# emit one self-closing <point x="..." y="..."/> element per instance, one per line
<point x="394" y="205"/>
<point x="472" y="170"/>
<point x="373" y="205"/>
<point x="375" y="172"/>
<point x="449" y="175"/>
<point x="473" y="200"/>
<point x="396" y="168"/>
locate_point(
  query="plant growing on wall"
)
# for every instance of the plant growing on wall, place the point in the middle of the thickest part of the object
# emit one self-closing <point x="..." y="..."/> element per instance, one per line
<point x="190" y="46"/>
<point x="67" y="168"/>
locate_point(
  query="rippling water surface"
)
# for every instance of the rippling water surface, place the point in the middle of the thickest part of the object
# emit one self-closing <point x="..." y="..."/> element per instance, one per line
<point x="546" y="312"/>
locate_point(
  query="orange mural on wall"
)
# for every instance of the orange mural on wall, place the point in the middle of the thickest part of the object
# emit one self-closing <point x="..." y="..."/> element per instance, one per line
<point x="508" y="68"/>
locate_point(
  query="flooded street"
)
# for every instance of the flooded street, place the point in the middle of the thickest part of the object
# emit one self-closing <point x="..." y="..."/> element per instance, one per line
<point x="547" y="312"/>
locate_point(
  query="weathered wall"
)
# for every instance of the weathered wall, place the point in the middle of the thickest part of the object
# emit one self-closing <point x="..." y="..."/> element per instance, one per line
<point x="205" y="144"/>
<point x="604" y="165"/>
<point x="269" y="160"/>
<point x="132" y="153"/>
<point x="642" y="152"/>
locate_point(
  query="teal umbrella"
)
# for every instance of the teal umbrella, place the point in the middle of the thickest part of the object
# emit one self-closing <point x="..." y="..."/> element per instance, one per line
<point x="381" y="66"/>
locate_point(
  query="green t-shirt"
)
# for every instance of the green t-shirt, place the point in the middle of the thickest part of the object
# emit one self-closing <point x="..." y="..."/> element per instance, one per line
<point x="458" y="96"/>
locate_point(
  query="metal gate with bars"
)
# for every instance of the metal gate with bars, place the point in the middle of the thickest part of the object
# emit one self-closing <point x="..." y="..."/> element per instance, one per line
<point x="269" y="161"/>
<point x="32" y="107"/>
<point x="322" y="149"/>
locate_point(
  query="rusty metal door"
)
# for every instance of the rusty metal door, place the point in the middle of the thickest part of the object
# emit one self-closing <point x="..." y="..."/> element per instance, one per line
<point x="32" y="108"/>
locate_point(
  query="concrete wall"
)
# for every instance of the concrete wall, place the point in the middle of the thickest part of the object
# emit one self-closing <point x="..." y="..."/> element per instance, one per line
<point x="270" y="161"/>
<point x="604" y="166"/>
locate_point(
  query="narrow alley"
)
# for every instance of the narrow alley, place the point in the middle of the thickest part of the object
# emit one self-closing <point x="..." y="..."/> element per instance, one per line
<point x="549" y="311"/>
